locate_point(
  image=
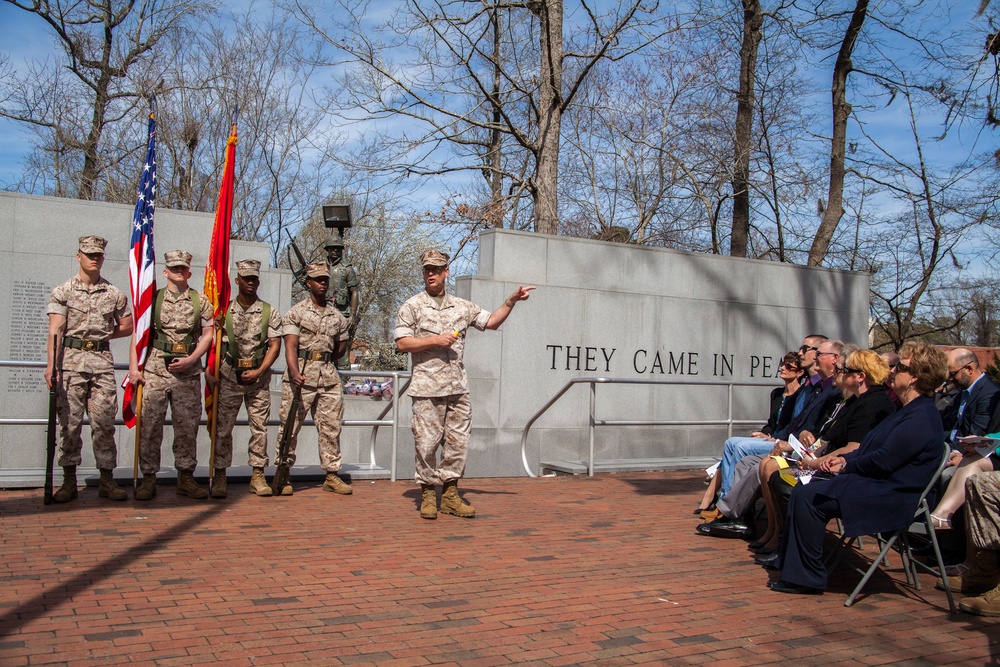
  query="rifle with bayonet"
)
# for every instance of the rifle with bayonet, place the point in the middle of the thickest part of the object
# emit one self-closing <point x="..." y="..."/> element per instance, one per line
<point x="50" y="443"/>
<point x="281" y="471"/>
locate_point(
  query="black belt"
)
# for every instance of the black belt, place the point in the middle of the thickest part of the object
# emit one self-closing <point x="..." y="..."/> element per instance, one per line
<point x="316" y="355"/>
<point x="86" y="344"/>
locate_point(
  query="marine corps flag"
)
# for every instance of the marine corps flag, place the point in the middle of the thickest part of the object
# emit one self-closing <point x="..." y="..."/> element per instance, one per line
<point x="217" y="283"/>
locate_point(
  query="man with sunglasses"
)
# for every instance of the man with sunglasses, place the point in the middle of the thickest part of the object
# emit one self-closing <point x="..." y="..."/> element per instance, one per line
<point x="970" y="413"/>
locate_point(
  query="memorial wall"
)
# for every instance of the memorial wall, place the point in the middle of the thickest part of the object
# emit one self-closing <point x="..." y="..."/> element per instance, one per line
<point x="601" y="310"/>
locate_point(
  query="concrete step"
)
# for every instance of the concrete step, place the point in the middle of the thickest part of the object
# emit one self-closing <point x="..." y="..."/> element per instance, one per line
<point x="629" y="465"/>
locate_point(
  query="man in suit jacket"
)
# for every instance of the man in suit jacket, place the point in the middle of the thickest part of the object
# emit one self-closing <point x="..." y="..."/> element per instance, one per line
<point x="974" y="407"/>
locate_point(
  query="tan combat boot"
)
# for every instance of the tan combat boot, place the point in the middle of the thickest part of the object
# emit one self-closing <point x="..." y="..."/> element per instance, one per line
<point x="258" y="483"/>
<point x="452" y="503"/>
<point x="428" y="502"/>
<point x="987" y="604"/>
<point x="984" y="575"/>
<point x="186" y="486"/>
<point x="334" y="484"/>
<point x="219" y="483"/>
<point x="109" y="487"/>
<point x="147" y="487"/>
<point x="67" y="491"/>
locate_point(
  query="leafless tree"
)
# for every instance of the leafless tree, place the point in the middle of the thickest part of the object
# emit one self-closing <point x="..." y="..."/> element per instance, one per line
<point x="470" y="71"/>
<point x="107" y="48"/>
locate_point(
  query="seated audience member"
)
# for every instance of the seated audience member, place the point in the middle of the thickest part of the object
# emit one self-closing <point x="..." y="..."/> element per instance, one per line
<point x="861" y="376"/>
<point x="740" y="456"/>
<point x="779" y="415"/>
<point x="973" y="410"/>
<point x="878" y="484"/>
<point x="973" y="407"/>
<point x="982" y="516"/>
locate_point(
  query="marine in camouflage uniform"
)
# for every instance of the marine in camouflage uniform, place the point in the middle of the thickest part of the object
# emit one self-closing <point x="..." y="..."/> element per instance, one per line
<point x="315" y="337"/>
<point x="172" y="376"/>
<point x="246" y="377"/>
<point x="431" y="327"/>
<point x="86" y="312"/>
<point x="982" y="521"/>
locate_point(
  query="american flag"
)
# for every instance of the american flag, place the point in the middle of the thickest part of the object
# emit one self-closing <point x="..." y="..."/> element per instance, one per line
<point x="141" y="276"/>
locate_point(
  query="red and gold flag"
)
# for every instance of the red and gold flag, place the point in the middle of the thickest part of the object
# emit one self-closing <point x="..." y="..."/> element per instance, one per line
<point x="217" y="284"/>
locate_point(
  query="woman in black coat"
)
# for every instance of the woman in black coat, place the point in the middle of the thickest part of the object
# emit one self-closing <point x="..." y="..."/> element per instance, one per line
<point x="878" y="484"/>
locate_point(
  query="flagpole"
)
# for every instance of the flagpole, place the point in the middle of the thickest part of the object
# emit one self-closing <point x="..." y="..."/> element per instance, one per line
<point x="213" y="432"/>
<point x="138" y="433"/>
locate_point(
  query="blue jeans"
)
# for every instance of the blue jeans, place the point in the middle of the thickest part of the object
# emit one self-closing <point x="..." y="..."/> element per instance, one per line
<point x="734" y="450"/>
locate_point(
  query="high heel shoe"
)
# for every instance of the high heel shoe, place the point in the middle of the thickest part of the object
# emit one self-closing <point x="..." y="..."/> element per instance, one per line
<point x="704" y="509"/>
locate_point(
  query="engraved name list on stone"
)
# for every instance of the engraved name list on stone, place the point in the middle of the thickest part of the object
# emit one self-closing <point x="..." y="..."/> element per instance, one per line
<point x="28" y="331"/>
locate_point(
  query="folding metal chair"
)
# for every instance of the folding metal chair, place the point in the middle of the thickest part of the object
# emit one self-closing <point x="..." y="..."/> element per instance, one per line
<point x="900" y="539"/>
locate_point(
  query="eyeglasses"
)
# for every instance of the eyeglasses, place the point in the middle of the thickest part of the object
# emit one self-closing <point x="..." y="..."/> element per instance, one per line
<point x="846" y="369"/>
<point x="806" y="348"/>
<point x="789" y="367"/>
<point x="952" y="374"/>
<point x="820" y="354"/>
<point x="902" y="368"/>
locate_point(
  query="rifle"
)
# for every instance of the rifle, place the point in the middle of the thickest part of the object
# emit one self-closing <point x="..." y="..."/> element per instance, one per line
<point x="281" y="471"/>
<point x="50" y="444"/>
<point x="298" y="274"/>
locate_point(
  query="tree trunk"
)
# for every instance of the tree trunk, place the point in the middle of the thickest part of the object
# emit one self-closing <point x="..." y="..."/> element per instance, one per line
<point x="550" y="14"/>
<point x="753" y="19"/>
<point x="495" y="175"/>
<point x="91" y="161"/>
<point x="841" y="112"/>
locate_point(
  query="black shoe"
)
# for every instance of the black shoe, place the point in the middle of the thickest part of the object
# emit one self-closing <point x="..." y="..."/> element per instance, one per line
<point x="765" y="551"/>
<point x="728" y="529"/>
<point x="753" y="546"/>
<point x="769" y="561"/>
<point x="779" y="586"/>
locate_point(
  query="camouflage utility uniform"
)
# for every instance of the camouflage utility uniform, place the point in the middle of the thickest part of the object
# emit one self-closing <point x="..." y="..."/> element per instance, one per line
<point x="319" y="330"/>
<point x="442" y="411"/>
<point x="249" y="351"/>
<point x="181" y="391"/>
<point x="88" y="376"/>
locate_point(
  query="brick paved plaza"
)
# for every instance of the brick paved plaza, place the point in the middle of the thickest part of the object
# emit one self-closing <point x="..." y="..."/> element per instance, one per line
<point x="553" y="571"/>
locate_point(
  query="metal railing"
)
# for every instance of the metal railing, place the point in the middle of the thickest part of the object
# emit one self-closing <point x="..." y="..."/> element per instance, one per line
<point x="594" y="423"/>
<point x="393" y="407"/>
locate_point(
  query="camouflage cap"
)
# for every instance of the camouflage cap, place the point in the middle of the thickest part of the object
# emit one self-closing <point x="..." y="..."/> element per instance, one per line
<point x="433" y="258"/>
<point x="317" y="270"/>
<point x="177" y="258"/>
<point x="248" y="267"/>
<point x="92" y="244"/>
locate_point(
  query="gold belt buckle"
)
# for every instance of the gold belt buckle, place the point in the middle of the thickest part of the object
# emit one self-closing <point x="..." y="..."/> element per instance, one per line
<point x="178" y="348"/>
<point x="316" y="356"/>
<point x="89" y="345"/>
<point x="244" y="363"/>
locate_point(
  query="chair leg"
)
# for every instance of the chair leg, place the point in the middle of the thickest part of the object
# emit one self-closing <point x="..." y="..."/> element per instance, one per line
<point x="871" y="570"/>
<point x="940" y="561"/>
